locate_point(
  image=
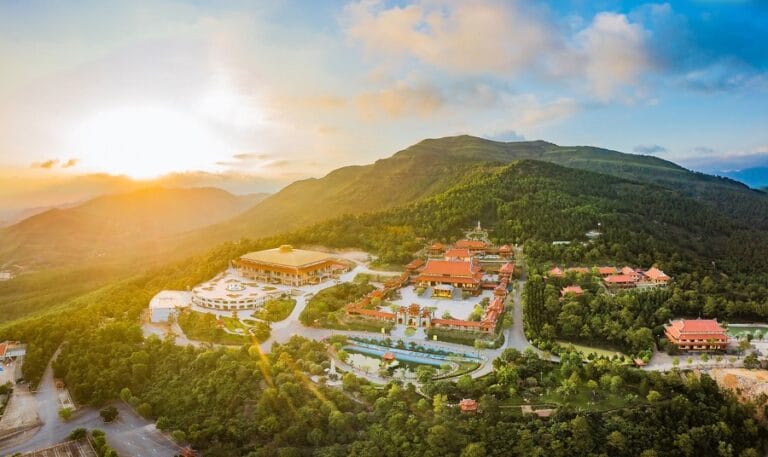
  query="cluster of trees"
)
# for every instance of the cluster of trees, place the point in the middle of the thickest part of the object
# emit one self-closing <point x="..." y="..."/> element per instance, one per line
<point x="325" y="305"/>
<point x="629" y="321"/>
<point x="276" y="309"/>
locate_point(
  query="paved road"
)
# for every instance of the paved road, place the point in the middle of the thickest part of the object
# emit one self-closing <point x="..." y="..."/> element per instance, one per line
<point x="129" y="435"/>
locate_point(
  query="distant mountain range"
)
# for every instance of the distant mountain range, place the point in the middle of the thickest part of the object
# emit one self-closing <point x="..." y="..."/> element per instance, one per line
<point x="131" y="223"/>
<point x="755" y="177"/>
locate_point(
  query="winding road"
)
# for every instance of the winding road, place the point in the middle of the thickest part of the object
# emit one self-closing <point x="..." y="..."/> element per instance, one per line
<point x="130" y="434"/>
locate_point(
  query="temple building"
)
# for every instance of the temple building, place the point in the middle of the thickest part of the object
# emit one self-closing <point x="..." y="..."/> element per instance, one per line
<point x="457" y="274"/>
<point x="697" y="334"/>
<point x="286" y="265"/>
<point x="414" y="316"/>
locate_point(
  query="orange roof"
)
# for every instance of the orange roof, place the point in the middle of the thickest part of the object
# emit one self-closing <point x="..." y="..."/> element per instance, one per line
<point x="579" y="269"/>
<point x="467" y="404"/>
<point x="656" y="274"/>
<point x="619" y="279"/>
<point x="696" y="329"/>
<point x="437" y="246"/>
<point x="555" y="271"/>
<point x="470" y="244"/>
<point x="505" y="248"/>
<point x="414" y="264"/>
<point x="457" y="322"/>
<point x="575" y="290"/>
<point x="372" y="313"/>
<point x="508" y="267"/>
<point x="628" y="271"/>
<point x="462" y="253"/>
<point x="2" y="349"/>
<point x="607" y="270"/>
<point x="450" y="268"/>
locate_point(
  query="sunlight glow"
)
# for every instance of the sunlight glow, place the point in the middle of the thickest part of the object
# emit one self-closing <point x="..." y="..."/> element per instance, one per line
<point x="146" y="142"/>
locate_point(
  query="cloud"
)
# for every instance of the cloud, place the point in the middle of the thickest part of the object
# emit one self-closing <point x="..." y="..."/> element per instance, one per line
<point x="613" y="53"/>
<point x="69" y="163"/>
<point x="400" y="100"/>
<point x="703" y="150"/>
<point x="46" y="164"/>
<point x="468" y="37"/>
<point x="649" y="149"/>
<point x="250" y="156"/>
<point x="502" y="39"/>
<point x="506" y="136"/>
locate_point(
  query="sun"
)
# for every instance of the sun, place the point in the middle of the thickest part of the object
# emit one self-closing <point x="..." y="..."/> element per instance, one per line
<point x="146" y="142"/>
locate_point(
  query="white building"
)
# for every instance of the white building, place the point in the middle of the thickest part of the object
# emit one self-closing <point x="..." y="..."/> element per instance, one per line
<point x="167" y="303"/>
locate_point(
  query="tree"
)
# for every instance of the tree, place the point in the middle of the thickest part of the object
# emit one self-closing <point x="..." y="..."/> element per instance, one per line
<point x="65" y="414"/>
<point x="751" y="361"/>
<point x="78" y="434"/>
<point x="653" y="396"/>
<point x="474" y="450"/>
<point x="616" y="440"/>
<point x="109" y="414"/>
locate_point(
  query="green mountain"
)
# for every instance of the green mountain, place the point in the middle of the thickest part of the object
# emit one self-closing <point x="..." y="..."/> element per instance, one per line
<point x="132" y="224"/>
<point x="435" y="165"/>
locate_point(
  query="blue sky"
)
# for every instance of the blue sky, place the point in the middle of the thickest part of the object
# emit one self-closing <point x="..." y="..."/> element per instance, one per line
<point x="284" y="90"/>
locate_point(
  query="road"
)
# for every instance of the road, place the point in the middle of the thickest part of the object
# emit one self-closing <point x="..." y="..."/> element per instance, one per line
<point x="129" y="435"/>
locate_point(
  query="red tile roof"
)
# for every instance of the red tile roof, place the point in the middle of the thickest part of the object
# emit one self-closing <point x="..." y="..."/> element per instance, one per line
<point x="461" y="253"/>
<point x="555" y="271"/>
<point x="2" y="349"/>
<point x="619" y="279"/>
<point x="505" y="248"/>
<point x="467" y="404"/>
<point x="607" y="270"/>
<point x="575" y="290"/>
<point x="656" y="275"/>
<point x="450" y="268"/>
<point x="457" y="322"/>
<point x="437" y="246"/>
<point x="470" y="244"/>
<point x="414" y="264"/>
<point x="508" y="267"/>
<point x="700" y="329"/>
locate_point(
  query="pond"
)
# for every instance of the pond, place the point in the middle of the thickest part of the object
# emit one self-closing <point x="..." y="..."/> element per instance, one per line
<point x="737" y="331"/>
<point x="370" y="363"/>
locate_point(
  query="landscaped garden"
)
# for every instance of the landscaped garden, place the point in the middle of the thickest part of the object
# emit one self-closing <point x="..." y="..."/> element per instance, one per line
<point x="220" y="330"/>
<point x="276" y="309"/>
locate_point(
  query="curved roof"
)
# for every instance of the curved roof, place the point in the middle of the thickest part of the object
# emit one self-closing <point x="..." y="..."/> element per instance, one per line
<point x="287" y="256"/>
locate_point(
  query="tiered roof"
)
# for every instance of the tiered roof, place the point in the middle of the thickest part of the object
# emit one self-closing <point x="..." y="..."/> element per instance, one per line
<point x="697" y="329"/>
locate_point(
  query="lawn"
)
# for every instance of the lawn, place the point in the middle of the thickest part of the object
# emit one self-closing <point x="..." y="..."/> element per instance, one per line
<point x="586" y="350"/>
<point x="737" y="332"/>
<point x="205" y="327"/>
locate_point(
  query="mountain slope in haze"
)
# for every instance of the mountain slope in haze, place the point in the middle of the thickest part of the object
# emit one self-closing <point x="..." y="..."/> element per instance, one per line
<point x="435" y="165"/>
<point x="129" y="223"/>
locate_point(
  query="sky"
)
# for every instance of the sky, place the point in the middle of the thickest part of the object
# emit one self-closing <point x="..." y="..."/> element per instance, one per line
<point x="254" y="95"/>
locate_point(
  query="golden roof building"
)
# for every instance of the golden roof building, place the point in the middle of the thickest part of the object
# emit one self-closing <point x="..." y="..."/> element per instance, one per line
<point x="286" y="265"/>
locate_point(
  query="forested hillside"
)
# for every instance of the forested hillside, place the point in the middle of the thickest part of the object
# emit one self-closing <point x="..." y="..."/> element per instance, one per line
<point x="436" y="165"/>
<point x="131" y="224"/>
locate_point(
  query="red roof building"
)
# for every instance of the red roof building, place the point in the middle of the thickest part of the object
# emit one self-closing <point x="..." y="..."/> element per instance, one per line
<point x="507" y="269"/>
<point x="656" y="276"/>
<point x="436" y="248"/>
<point x="466" y="275"/>
<point x="414" y="265"/>
<point x="573" y="290"/>
<point x="467" y="405"/>
<point x="475" y="246"/>
<point x="578" y="270"/>
<point x="697" y="334"/>
<point x="458" y="254"/>
<point x="620" y="281"/>
<point x="607" y="271"/>
<point x="555" y="272"/>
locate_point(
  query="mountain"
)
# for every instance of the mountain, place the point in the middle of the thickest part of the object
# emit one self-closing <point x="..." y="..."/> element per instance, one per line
<point x="435" y="165"/>
<point x="130" y="224"/>
<point x="755" y="177"/>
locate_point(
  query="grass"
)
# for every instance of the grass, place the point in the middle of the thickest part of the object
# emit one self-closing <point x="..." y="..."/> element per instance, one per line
<point x="740" y="331"/>
<point x="205" y="327"/>
<point x="586" y="350"/>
